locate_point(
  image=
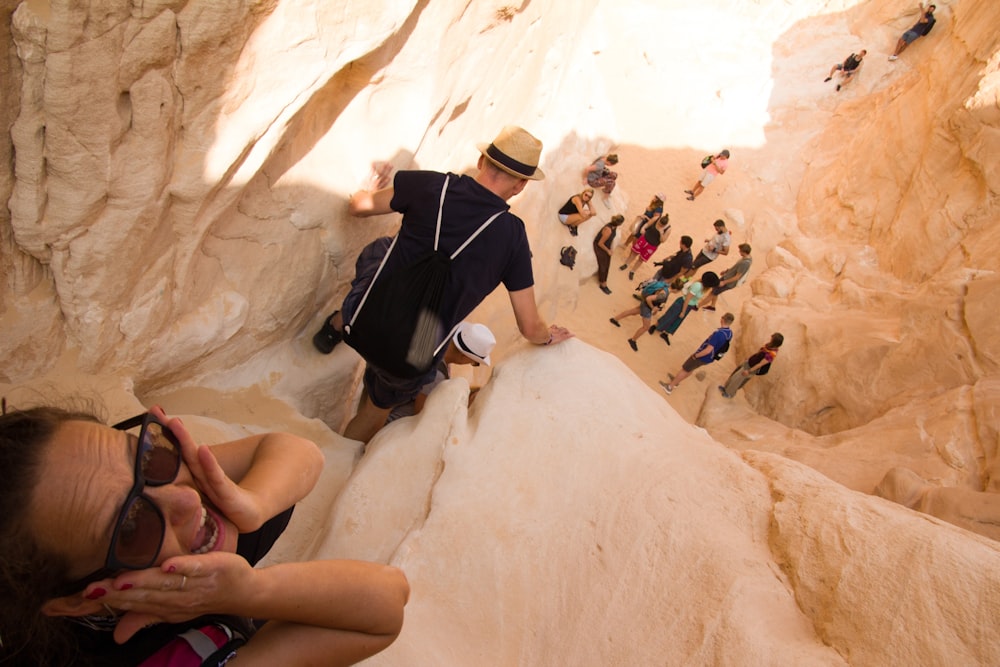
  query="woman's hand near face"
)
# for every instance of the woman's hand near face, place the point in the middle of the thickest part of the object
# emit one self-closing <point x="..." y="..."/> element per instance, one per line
<point x="252" y="479"/>
<point x="181" y="588"/>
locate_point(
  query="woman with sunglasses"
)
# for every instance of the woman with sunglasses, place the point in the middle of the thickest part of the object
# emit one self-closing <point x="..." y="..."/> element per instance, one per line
<point x="133" y="545"/>
<point x="577" y="210"/>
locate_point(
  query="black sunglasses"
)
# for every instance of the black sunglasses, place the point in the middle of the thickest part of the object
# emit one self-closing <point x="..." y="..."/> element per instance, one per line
<point x="139" y="531"/>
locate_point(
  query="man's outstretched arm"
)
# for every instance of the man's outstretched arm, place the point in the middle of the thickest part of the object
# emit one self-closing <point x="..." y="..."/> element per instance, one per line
<point x="530" y="322"/>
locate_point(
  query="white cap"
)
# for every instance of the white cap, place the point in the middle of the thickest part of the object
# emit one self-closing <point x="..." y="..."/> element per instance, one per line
<point x="475" y="341"/>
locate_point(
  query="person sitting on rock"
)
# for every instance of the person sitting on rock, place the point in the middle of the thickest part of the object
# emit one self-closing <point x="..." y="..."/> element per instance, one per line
<point x="600" y="176"/>
<point x="847" y="69"/>
<point x="577" y="210"/>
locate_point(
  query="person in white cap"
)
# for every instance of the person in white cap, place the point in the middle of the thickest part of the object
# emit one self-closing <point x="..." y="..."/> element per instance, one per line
<point x="498" y="254"/>
<point x="470" y="346"/>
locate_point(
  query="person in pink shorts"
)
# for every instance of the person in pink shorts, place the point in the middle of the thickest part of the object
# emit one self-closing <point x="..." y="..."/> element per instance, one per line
<point x="646" y="244"/>
<point x="717" y="165"/>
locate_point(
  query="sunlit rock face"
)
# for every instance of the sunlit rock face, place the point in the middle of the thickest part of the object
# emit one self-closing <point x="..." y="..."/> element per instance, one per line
<point x="176" y="219"/>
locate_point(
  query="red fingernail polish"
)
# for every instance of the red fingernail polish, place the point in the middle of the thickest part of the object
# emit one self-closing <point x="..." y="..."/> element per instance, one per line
<point x="171" y="569"/>
<point x="125" y="587"/>
<point x="96" y="593"/>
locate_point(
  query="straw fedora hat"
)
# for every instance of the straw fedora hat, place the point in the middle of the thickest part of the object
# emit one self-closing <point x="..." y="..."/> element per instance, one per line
<point x="516" y="152"/>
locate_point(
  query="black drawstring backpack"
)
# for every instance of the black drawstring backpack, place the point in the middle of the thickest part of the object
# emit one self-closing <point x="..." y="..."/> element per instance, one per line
<point x="397" y="325"/>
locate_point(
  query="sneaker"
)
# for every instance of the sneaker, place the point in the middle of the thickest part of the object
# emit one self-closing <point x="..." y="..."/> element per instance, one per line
<point x="573" y="231"/>
<point x="690" y="197"/>
<point x="689" y="192"/>
<point x="631" y="344"/>
<point x="614" y="322"/>
<point x="623" y="267"/>
<point x="652" y="329"/>
<point x="604" y="288"/>
<point x="838" y="87"/>
<point x="327" y="338"/>
<point x="665" y="336"/>
<point x="708" y="307"/>
<point x="666" y="387"/>
<point x="631" y="275"/>
<point x="893" y="57"/>
<point x="827" y="79"/>
<point x="722" y="390"/>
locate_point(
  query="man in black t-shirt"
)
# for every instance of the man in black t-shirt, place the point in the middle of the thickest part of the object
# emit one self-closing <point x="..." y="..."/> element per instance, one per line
<point x="499" y="254"/>
<point x="677" y="263"/>
<point x="919" y="29"/>
<point x="849" y="68"/>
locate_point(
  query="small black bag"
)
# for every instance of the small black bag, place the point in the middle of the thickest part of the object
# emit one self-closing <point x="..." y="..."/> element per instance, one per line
<point x="398" y="325"/>
<point x="705" y="161"/>
<point x="567" y="256"/>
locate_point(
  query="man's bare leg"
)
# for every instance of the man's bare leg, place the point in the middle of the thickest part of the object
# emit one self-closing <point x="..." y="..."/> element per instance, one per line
<point x="370" y="418"/>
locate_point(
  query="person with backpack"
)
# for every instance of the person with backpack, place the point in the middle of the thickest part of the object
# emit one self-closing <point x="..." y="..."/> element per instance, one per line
<point x="712" y="166"/>
<point x="710" y="351"/>
<point x="731" y="277"/>
<point x="759" y="363"/>
<point x="644" y="247"/>
<point x="652" y="213"/>
<point x="691" y="295"/>
<point x="602" y="250"/>
<point x="457" y="242"/>
<point x="919" y="29"/>
<point x="654" y="294"/>
<point x="847" y="69"/>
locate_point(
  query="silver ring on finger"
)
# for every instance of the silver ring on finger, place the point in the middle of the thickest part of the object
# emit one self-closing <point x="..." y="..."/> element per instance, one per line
<point x="184" y="581"/>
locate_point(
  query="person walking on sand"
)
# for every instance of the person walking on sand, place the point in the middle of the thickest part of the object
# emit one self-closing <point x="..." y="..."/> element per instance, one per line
<point x="920" y="29"/>
<point x="602" y="250"/>
<point x="577" y="210"/>
<point x="712" y="166"/>
<point x="644" y="246"/>
<point x="710" y="350"/>
<point x="848" y="69"/>
<point x="759" y="363"/>
<point x="488" y="243"/>
<point x="731" y="277"/>
<point x="654" y="294"/>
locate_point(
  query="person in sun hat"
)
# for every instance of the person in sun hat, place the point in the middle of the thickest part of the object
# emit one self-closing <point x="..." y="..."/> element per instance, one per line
<point x="498" y="254"/>
<point x="470" y="346"/>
